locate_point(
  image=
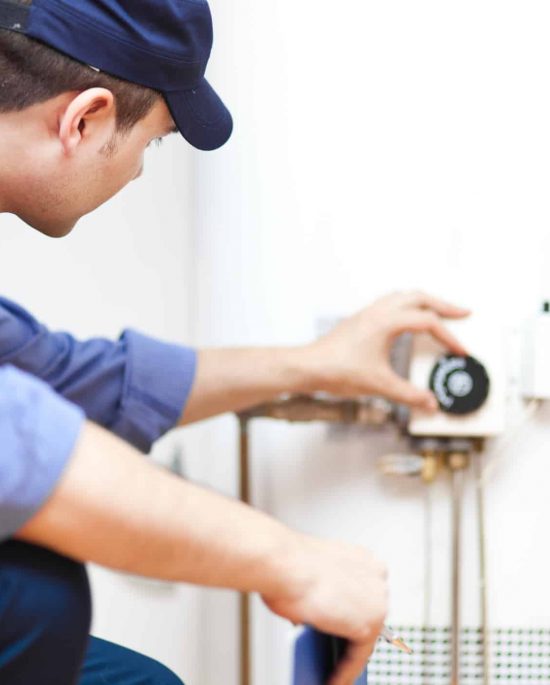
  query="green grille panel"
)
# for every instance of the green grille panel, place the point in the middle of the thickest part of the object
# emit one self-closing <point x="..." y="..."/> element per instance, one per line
<point x="517" y="656"/>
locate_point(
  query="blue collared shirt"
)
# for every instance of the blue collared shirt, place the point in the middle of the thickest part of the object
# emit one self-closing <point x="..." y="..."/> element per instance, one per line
<point x="135" y="387"/>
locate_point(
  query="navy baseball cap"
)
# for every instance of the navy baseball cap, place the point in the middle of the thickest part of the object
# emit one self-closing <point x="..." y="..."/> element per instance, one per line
<point x="161" y="44"/>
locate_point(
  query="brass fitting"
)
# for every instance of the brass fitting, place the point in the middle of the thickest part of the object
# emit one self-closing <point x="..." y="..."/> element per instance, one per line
<point x="458" y="461"/>
<point x="431" y="462"/>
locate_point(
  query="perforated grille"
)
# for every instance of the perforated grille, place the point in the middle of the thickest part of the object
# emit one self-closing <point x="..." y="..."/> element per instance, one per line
<point x="518" y="655"/>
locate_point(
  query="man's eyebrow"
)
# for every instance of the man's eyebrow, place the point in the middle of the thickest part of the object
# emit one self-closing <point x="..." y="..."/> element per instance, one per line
<point x="173" y="129"/>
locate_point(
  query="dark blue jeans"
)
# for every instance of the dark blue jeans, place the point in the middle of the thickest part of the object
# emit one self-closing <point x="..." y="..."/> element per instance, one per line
<point x="45" y="612"/>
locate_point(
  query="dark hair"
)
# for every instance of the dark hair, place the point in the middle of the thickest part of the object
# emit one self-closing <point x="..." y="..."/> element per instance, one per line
<point x="31" y="73"/>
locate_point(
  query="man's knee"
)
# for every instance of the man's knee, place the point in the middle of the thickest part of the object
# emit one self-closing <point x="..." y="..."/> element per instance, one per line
<point x="153" y="672"/>
<point x="45" y="606"/>
<point x="119" y="665"/>
<point x="160" y="675"/>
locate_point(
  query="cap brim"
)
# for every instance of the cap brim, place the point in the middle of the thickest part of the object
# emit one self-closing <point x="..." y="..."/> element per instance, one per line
<point x="200" y="115"/>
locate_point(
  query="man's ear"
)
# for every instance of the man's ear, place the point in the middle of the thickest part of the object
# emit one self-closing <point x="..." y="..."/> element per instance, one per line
<point x="89" y="112"/>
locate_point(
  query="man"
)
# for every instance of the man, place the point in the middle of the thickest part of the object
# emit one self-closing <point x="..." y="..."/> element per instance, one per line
<point x="84" y="89"/>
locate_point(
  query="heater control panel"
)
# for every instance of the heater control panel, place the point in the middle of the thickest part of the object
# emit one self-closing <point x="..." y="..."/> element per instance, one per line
<point x="470" y="390"/>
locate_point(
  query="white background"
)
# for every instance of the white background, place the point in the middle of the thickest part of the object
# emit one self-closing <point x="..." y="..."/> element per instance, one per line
<point x="378" y="146"/>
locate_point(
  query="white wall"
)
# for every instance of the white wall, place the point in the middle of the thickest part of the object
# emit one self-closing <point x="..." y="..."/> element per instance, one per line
<point x="378" y="145"/>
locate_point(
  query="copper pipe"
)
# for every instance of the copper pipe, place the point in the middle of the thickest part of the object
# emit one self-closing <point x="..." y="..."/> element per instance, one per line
<point x="428" y="581"/>
<point x="244" y="606"/>
<point x="303" y="408"/>
<point x="458" y="461"/>
<point x="485" y="638"/>
<point x="457" y="484"/>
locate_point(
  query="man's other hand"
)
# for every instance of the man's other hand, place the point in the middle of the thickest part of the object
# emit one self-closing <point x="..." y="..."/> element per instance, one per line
<point x="339" y="589"/>
<point x="354" y="358"/>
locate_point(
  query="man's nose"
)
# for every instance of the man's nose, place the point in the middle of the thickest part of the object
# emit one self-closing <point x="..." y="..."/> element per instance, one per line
<point x="139" y="173"/>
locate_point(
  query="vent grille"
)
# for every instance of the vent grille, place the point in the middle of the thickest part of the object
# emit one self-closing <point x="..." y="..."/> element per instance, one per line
<point x="518" y="655"/>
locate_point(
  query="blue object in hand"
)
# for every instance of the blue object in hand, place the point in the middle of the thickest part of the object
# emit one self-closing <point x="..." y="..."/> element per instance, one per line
<point x="316" y="657"/>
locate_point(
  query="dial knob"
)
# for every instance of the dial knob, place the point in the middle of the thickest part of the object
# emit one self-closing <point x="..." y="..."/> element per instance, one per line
<point x="460" y="384"/>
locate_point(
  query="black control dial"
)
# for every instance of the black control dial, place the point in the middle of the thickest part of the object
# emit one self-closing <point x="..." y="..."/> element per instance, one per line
<point x="460" y="384"/>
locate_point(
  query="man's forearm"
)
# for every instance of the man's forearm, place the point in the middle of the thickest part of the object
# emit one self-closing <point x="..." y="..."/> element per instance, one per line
<point x="234" y="379"/>
<point x="351" y="360"/>
<point x="114" y="508"/>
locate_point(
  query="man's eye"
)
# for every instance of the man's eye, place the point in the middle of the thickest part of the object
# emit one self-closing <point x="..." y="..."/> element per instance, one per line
<point x="156" y="141"/>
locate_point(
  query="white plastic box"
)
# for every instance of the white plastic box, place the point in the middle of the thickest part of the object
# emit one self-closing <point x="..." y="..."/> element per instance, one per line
<point x="484" y="339"/>
<point x="536" y="355"/>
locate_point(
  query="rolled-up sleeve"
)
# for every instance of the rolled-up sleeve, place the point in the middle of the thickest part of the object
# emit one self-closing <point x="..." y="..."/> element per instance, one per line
<point x="137" y="386"/>
<point x="38" y="433"/>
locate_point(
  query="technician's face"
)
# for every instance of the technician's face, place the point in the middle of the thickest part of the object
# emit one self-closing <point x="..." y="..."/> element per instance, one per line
<point x="71" y="186"/>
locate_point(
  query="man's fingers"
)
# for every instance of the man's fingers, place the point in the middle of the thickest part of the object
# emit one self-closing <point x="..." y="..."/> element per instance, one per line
<point x="421" y="300"/>
<point x="428" y="322"/>
<point x="439" y="332"/>
<point x="353" y="664"/>
<point x="400" y="390"/>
